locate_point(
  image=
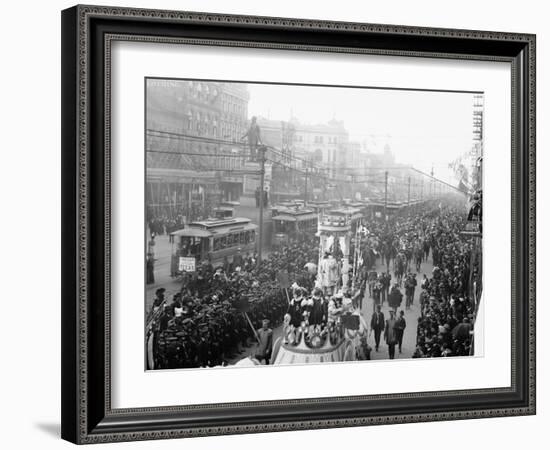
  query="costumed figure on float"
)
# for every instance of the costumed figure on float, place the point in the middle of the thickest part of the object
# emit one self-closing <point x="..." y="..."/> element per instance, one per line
<point x="325" y="325"/>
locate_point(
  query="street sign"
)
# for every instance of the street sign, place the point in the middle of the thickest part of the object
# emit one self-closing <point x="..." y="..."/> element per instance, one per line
<point x="186" y="264"/>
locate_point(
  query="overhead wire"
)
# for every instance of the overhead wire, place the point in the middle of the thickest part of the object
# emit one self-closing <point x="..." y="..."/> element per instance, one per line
<point x="280" y="153"/>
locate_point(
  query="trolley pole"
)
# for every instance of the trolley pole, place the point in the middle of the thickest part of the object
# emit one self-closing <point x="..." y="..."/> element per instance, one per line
<point x="386" y="196"/>
<point x="261" y="151"/>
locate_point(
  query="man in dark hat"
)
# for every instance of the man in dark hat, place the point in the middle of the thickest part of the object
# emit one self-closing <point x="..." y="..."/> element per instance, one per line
<point x="399" y="327"/>
<point x="377" y="325"/>
<point x="410" y="284"/>
<point x="390" y="335"/>
<point x="376" y="293"/>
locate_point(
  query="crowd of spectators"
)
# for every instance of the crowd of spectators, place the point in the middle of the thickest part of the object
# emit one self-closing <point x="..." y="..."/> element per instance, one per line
<point x="445" y="327"/>
<point x="204" y="324"/>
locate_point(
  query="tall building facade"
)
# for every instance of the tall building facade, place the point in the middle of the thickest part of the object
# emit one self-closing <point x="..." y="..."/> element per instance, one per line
<point x="193" y="133"/>
<point x="196" y="108"/>
<point x="325" y="144"/>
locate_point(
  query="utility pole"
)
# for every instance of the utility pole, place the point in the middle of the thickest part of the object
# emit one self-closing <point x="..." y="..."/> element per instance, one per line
<point x="421" y="187"/>
<point x="261" y="151"/>
<point x="386" y="196"/>
<point x="305" y="189"/>
<point x="433" y="183"/>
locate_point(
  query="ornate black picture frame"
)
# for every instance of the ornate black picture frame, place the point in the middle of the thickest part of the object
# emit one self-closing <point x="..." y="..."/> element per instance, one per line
<point x="87" y="35"/>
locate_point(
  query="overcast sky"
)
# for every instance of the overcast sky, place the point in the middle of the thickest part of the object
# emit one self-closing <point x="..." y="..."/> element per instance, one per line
<point x="422" y="128"/>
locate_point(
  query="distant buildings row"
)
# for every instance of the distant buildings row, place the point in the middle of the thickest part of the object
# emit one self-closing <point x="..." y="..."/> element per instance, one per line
<point x="325" y="145"/>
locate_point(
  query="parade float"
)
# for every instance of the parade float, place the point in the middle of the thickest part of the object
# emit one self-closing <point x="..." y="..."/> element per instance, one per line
<point x="342" y="331"/>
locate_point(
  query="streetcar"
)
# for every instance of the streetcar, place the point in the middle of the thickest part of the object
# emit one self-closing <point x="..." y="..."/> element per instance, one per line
<point x="212" y="240"/>
<point x="348" y="214"/>
<point x="377" y="208"/>
<point x="360" y="205"/>
<point x="290" y="222"/>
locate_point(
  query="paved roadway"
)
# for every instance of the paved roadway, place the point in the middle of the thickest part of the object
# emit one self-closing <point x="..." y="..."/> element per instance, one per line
<point x="411" y="316"/>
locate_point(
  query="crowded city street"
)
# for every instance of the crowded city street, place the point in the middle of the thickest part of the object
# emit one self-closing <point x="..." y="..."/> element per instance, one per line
<point x="276" y="242"/>
<point x="426" y="305"/>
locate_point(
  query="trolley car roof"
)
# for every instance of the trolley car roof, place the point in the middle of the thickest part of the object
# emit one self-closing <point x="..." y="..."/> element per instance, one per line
<point x="200" y="233"/>
<point x="295" y="217"/>
<point x="344" y="210"/>
<point x="216" y="223"/>
<point x="191" y="232"/>
<point x="354" y="204"/>
<point x="212" y="227"/>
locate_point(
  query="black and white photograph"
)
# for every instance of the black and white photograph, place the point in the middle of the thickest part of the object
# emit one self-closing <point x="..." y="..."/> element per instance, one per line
<point x="305" y="224"/>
